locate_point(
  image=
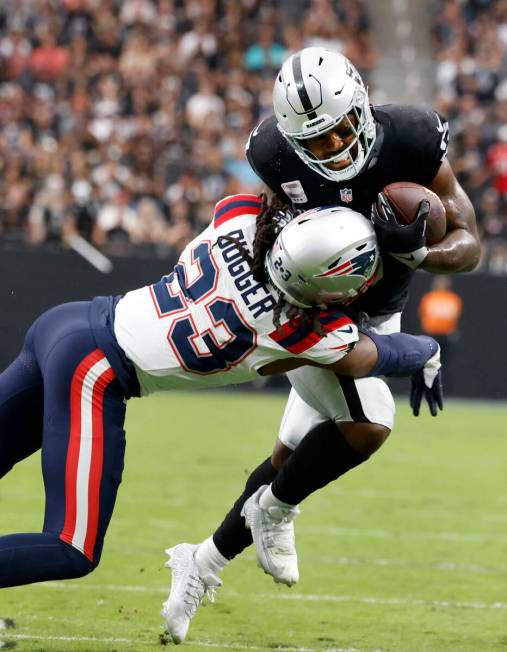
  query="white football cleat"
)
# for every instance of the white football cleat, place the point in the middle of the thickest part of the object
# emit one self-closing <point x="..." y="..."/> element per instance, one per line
<point x="273" y="534"/>
<point x="188" y="588"/>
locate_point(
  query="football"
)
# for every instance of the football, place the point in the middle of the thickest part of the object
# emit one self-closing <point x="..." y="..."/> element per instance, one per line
<point x="405" y="198"/>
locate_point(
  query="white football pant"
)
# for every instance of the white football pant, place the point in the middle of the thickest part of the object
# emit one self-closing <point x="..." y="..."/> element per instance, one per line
<point x="318" y="395"/>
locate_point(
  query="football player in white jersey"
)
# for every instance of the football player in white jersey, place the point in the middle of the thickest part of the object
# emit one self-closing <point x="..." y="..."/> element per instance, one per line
<point x="238" y="304"/>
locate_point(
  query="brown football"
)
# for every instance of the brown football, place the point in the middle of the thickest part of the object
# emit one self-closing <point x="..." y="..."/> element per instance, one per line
<point x="405" y="197"/>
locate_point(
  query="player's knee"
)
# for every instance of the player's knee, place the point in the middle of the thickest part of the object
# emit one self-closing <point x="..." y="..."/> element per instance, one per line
<point x="78" y="565"/>
<point x="280" y="454"/>
<point x="365" y="438"/>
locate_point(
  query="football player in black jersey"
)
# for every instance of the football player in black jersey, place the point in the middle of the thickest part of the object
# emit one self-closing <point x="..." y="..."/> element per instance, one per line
<point x="325" y="144"/>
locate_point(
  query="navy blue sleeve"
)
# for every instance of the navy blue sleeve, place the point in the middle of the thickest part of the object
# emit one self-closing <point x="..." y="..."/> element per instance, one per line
<point x="401" y="354"/>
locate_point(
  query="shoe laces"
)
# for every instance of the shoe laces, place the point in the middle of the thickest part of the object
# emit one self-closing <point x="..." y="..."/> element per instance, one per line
<point x="198" y="588"/>
<point x="278" y="529"/>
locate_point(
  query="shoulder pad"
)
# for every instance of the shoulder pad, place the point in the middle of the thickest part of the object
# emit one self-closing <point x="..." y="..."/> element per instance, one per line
<point x="264" y="145"/>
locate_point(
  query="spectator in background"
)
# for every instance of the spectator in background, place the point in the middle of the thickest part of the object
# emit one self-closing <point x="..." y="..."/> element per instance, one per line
<point x="15" y="52"/>
<point x="180" y="232"/>
<point x="116" y="222"/>
<point x="497" y="160"/>
<point x="48" y="61"/>
<point x="205" y="108"/>
<point x="47" y="220"/>
<point x="83" y="209"/>
<point x="267" y="54"/>
<point x="440" y="313"/>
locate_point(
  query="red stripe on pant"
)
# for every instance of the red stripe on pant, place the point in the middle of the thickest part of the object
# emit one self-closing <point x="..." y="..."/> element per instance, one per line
<point x="96" y="391"/>
<point x="97" y="461"/>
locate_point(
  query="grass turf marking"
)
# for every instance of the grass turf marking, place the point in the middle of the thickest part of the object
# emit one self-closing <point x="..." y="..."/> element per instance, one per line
<point x="450" y="604"/>
<point x="207" y="644"/>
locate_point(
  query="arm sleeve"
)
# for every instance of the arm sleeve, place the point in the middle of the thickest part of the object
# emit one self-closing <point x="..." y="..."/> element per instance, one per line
<point x="400" y="354"/>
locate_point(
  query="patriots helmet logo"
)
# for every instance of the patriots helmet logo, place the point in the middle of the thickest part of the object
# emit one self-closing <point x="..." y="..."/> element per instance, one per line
<point x="361" y="264"/>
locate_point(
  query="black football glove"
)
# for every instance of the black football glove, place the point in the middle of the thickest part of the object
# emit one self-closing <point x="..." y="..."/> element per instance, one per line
<point x="405" y="242"/>
<point x="427" y="382"/>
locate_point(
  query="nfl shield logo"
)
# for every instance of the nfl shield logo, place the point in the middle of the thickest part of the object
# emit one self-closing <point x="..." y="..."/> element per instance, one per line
<point x="346" y="195"/>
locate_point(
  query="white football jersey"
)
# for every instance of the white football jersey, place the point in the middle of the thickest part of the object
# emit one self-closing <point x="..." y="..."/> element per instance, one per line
<point x="209" y="323"/>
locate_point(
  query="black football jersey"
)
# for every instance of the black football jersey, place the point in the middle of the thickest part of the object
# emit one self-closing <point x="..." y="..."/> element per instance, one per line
<point x="411" y="144"/>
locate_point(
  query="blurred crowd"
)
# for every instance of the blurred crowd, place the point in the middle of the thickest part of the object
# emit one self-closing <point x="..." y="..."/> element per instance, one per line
<point x="471" y="50"/>
<point x="123" y="121"/>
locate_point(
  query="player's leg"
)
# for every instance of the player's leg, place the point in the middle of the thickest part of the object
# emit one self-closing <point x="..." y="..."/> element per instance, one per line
<point x="356" y="418"/>
<point x="359" y="418"/>
<point x="21" y="407"/>
<point x="82" y="454"/>
<point x="329" y="452"/>
<point x="231" y="537"/>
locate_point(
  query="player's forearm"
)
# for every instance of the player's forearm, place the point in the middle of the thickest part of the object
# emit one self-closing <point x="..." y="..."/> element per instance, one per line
<point x="459" y="251"/>
<point x="401" y="354"/>
<point x="396" y="355"/>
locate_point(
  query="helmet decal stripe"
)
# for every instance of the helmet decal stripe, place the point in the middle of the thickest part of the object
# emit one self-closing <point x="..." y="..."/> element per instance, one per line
<point x="301" y="88"/>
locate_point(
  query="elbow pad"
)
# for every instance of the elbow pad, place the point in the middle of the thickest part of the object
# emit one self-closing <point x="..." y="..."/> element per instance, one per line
<point x="400" y="354"/>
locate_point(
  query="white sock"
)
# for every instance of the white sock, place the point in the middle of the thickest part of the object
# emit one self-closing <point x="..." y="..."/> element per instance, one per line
<point x="268" y="499"/>
<point x="209" y="558"/>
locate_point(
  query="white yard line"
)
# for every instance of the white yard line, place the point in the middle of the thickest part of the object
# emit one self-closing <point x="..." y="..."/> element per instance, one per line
<point x="91" y="639"/>
<point x="403" y="563"/>
<point x="451" y="604"/>
<point x="420" y="536"/>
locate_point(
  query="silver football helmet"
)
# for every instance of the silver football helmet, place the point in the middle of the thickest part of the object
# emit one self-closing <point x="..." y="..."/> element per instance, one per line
<point x="325" y="255"/>
<point x="314" y="91"/>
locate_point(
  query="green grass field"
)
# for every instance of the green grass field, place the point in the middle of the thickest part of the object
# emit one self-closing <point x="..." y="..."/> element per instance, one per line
<point x="407" y="553"/>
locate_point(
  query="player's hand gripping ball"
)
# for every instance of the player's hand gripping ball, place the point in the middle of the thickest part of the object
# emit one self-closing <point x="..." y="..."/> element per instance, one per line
<point x="408" y="218"/>
<point x="405" y="199"/>
<point x="401" y="205"/>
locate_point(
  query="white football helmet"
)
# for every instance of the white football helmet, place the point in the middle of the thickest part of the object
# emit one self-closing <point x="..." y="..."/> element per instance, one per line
<point x="325" y="255"/>
<point x="316" y="89"/>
